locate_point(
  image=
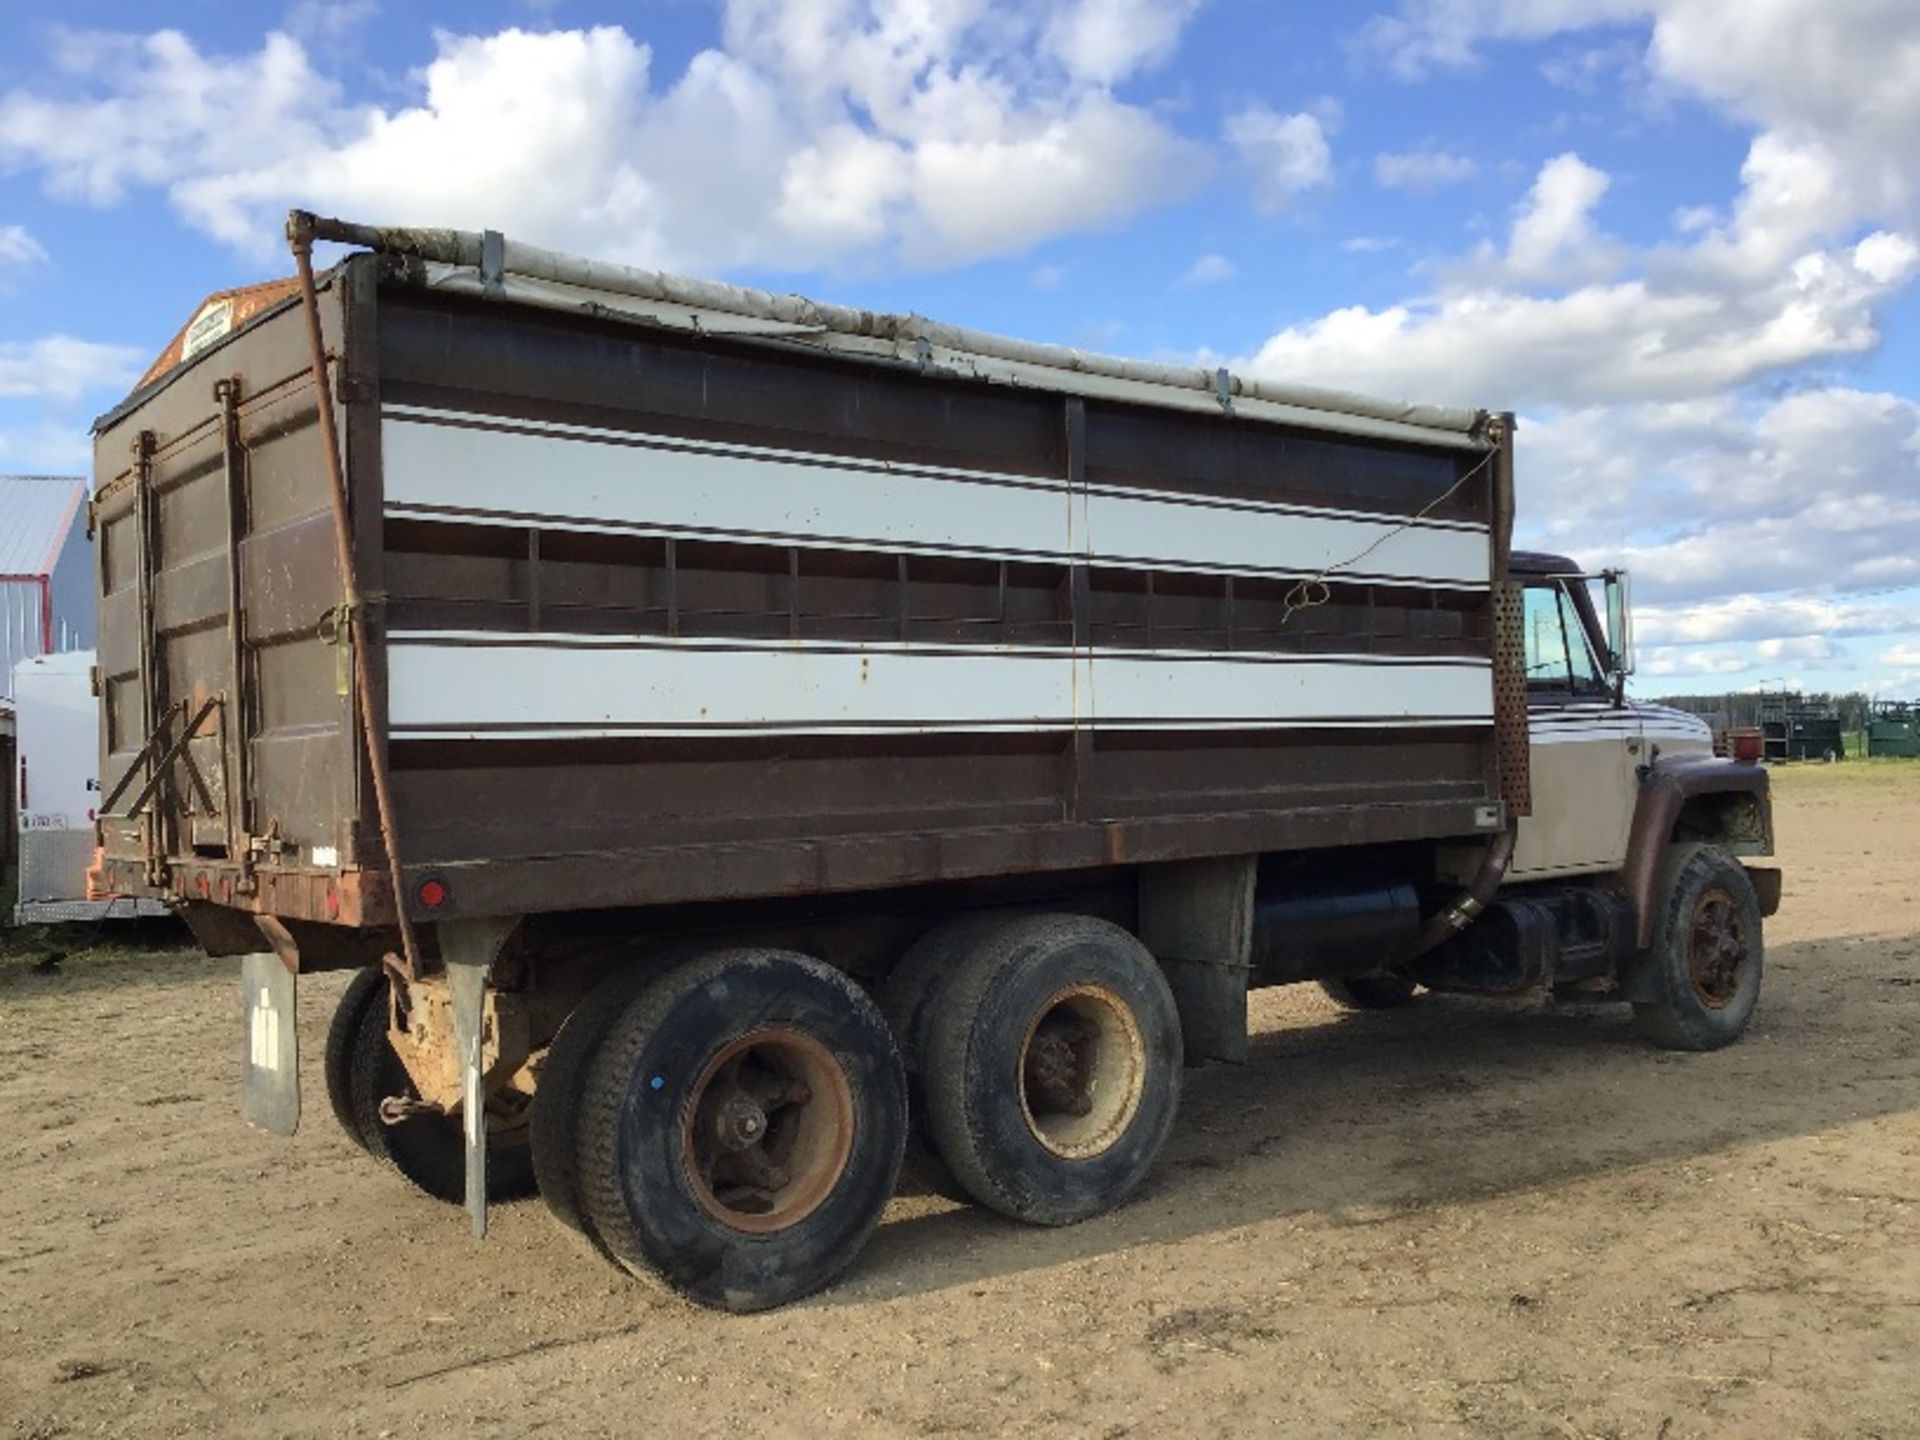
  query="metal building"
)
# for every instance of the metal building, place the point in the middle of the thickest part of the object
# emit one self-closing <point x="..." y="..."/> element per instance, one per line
<point x="46" y="570"/>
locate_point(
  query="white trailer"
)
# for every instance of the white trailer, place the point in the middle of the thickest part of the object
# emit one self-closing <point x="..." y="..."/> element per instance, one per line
<point x="57" y="787"/>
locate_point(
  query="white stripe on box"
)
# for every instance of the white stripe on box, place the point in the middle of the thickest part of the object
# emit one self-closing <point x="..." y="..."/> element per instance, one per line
<point x="476" y="685"/>
<point x="447" y="466"/>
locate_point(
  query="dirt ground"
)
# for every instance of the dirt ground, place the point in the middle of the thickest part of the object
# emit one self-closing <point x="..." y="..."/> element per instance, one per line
<point x="1457" y="1218"/>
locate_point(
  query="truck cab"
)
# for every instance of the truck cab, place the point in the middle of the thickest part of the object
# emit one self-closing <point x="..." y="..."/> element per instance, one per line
<point x="1638" y="871"/>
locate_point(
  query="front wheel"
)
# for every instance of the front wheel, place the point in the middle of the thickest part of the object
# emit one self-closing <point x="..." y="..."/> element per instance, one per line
<point x="1707" y="953"/>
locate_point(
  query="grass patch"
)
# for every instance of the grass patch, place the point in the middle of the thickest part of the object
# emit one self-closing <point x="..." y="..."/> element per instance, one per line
<point x="1885" y="770"/>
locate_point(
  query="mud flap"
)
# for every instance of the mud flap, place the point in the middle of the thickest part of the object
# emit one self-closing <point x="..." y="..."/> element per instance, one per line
<point x="270" y="1059"/>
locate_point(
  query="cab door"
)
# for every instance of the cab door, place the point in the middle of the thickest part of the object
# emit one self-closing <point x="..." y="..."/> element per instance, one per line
<point x="1585" y="743"/>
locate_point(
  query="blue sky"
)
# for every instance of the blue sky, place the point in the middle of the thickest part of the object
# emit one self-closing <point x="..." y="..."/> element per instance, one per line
<point x="1676" y="235"/>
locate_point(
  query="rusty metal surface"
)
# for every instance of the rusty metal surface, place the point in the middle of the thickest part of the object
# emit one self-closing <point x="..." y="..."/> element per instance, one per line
<point x="1745" y="795"/>
<point x="1512" y="737"/>
<point x="219" y="315"/>
<point x="768" y="1130"/>
<point x="498" y="268"/>
<point x="349" y="618"/>
<point x="422" y="1035"/>
<point x="220" y="460"/>
<point x="1718" y="948"/>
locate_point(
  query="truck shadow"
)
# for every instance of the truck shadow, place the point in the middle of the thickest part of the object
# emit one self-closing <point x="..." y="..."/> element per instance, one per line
<point x="1372" y="1117"/>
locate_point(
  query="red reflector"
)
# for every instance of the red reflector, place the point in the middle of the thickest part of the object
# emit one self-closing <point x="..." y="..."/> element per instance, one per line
<point x="333" y="903"/>
<point x="433" y="894"/>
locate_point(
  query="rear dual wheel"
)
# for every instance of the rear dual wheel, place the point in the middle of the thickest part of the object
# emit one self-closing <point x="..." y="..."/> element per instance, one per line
<point x="1045" y="1058"/>
<point x="734" y="1125"/>
<point x="428" y="1149"/>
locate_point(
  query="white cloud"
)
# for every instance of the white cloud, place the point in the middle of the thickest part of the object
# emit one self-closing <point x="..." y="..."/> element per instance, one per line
<point x="1692" y="219"/>
<point x="1759" y="617"/>
<point x="1427" y="35"/>
<point x="1210" y="270"/>
<point x="1715" y="665"/>
<point x="1370" y="244"/>
<point x="1805" y="72"/>
<point x="1741" y="519"/>
<point x="1555" y="222"/>
<point x="1046" y="277"/>
<point x="1422" y="171"/>
<point x="59" y="367"/>
<point x="1677" y="662"/>
<point x="328" y="22"/>
<point x="46" y="447"/>
<point x="1748" y="518"/>
<point x="1106" y="41"/>
<point x="1585" y="69"/>
<point x="1286" y="154"/>
<point x="19" y="250"/>
<point x="1698" y="327"/>
<point x="818" y="133"/>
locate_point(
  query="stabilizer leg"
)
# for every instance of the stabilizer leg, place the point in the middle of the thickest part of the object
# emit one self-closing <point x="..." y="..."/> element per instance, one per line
<point x="469" y="948"/>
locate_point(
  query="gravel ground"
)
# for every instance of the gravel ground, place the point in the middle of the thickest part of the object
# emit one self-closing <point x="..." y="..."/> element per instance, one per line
<point x="1462" y="1217"/>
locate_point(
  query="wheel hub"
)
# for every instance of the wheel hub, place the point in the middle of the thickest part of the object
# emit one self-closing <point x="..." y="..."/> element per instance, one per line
<point x="1082" y="1071"/>
<point x="740" y="1123"/>
<point x="1716" y="949"/>
<point x="768" y="1130"/>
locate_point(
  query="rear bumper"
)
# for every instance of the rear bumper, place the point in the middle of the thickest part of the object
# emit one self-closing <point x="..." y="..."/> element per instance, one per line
<point x="329" y="897"/>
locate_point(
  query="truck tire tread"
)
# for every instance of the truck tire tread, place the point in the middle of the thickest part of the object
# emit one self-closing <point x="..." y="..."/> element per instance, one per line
<point x="1680" y="1020"/>
<point x="977" y="1120"/>
<point x="367" y="986"/>
<point x="646" y="1217"/>
<point x="556" y="1104"/>
<point x="911" y="994"/>
<point x="428" y="1150"/>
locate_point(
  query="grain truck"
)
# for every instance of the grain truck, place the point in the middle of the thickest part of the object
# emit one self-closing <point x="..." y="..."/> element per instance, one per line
<point x="743" y="744"/>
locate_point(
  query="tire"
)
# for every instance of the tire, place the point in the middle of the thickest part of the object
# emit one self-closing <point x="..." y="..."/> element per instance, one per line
<point x="368" y="987"/>
<point x="556" y="1104"/>
<point x="910" y="996"/>
<point x="429" y="1150"/>
<point x="725" y="1071"/>
<point x="1385" y="990"/>
<point x="1053" y="1068"/>
<point x="1708" y="953"/>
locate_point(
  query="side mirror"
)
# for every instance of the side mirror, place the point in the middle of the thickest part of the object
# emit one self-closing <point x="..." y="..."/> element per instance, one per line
<point x="1619" y="623"/>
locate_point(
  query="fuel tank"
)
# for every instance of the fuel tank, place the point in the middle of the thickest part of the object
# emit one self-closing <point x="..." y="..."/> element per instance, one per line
<point x="1314" y="918"/>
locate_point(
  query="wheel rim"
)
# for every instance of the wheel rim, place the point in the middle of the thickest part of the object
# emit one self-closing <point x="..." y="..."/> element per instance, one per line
<point x="767" y="1130"/>
<point x="1717" y="949"/>
<point x="1082" y="1071"/>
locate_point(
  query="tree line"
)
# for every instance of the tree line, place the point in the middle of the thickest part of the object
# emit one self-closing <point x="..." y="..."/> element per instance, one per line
<point x="1741" y="708"/>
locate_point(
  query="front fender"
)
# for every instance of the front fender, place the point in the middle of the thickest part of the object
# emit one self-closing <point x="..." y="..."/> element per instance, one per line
<point x="1727" y="801"/>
